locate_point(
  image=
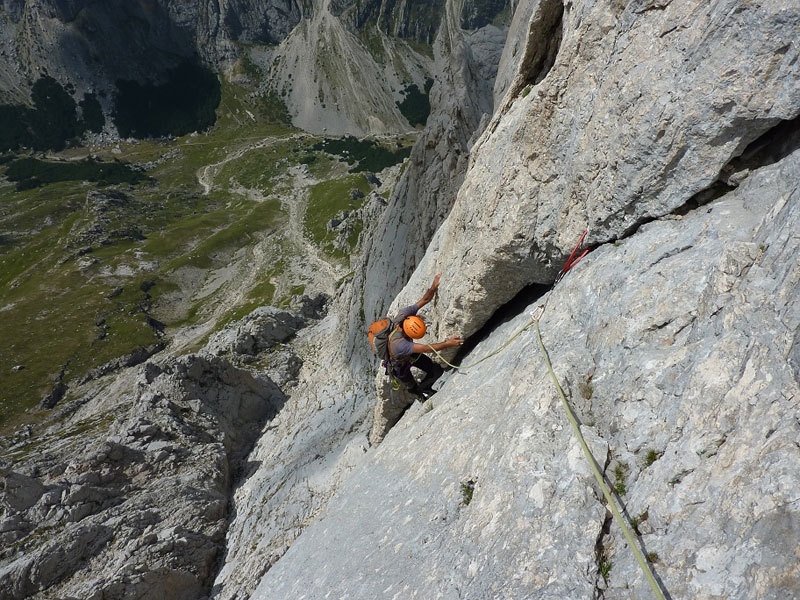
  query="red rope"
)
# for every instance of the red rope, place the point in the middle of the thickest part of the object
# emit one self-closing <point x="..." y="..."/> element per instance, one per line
<point x="572" y="260"/>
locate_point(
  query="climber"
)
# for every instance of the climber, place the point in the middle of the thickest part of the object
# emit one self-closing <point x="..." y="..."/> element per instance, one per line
<point x="405" y="351"/>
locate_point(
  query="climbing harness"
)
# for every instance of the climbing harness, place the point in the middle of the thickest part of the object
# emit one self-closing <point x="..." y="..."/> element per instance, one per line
<point x="390" y="364"/>
<point x="397" y="368"/>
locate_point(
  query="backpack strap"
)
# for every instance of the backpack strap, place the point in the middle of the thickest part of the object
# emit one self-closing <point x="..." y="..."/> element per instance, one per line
<point x="395" y="330"/>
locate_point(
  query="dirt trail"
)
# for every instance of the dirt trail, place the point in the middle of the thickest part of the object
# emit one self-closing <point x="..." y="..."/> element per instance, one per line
<point x="312" y="262"/>
<point x="206" y="175"/>
<point x="304" y="264"/>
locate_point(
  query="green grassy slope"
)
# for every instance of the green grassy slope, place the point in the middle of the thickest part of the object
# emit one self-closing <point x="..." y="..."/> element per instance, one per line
<point x="84" y="281"/>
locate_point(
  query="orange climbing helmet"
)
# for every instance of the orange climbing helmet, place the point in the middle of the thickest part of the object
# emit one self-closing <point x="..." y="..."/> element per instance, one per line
<point x="414" y="327"/>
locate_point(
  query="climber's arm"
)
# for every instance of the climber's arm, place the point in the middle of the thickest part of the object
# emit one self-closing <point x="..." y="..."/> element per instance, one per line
<point x="450" y="342"/>
<point x="430" y="293"/>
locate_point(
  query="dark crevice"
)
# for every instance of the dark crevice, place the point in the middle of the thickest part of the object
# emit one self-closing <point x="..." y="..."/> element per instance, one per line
<point x="602" y="559"/>
<point x="715" y="191"/>
<point x="774" y="145"/>
<point x="544" y="41"/>
<point x="508" y="311"/>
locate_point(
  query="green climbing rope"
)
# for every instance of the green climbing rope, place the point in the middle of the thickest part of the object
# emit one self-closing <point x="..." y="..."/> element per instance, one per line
<point x="573" y="259"/>
<point x="626" y="530"/>
<point x="488" y="356"/>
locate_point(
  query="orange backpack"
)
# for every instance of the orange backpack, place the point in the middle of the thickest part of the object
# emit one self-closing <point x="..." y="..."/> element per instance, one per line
<point x="378" y="335"/>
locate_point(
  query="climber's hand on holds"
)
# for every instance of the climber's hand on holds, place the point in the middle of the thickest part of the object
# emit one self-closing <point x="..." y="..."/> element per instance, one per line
<point x="455" y="341"/>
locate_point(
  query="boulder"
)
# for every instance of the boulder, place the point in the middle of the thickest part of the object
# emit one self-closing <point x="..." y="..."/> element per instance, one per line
<point x="257" y="332"/>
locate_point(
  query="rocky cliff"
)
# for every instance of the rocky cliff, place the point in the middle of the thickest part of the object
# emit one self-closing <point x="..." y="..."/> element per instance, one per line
<point x="677" y="349"/>
<point x="668" y="130"/>
<point x="340" y="67"/>
<point x="634" y="122"/>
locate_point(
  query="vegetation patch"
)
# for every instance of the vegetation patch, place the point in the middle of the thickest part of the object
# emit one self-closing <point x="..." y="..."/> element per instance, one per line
<point x="272" y="109"/>
<point x="605" y="569"/>
<point x="107" y="253"/>
<point x="467" y="491"/>
<point x="29" y="173"/>
<point x="621" y="471"/>
<point x="67" y="325"/>
<point x="262" y="167"/>
<point x="416" y="105"/>
<point x="329" y="199"/>
<point x="186" y="102"/>
<point x="70" y="303"/>
<point x="363" y="155"/>
<point x="226" y="228"/>
<point x="373" y="40"/>
<point x="52" y="123"/>
<point x="651" y="457"/>
<point x="93" y="118"/>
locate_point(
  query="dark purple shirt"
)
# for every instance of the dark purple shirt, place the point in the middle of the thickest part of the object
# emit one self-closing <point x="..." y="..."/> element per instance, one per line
<point x="399" y="345"/>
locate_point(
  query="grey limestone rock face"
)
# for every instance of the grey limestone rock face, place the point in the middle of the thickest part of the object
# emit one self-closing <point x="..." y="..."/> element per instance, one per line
<point x="615" y="125"/>
<point x="643" y="108"/>
<point x="672" y="346"/>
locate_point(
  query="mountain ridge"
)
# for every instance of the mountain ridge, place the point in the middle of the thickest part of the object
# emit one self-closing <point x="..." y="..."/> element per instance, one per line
<point x="74" y="43"/>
